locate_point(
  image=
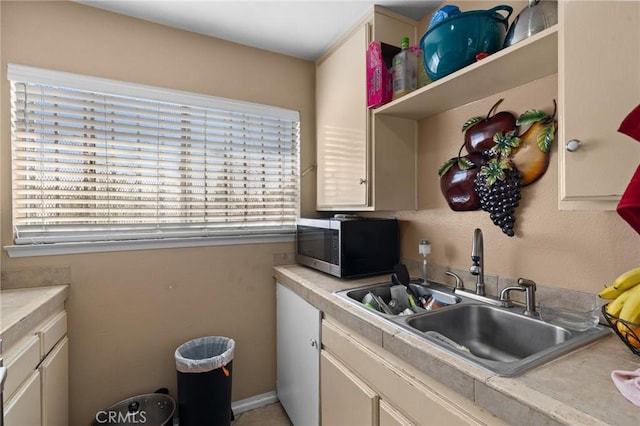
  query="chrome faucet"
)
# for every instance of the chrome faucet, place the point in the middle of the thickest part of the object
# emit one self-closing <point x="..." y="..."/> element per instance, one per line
<point x="529" y="287"/>
<point x="477" y="257"/>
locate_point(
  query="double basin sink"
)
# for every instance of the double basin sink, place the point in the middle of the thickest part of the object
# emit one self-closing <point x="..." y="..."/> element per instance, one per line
<point x="499" y="339"/>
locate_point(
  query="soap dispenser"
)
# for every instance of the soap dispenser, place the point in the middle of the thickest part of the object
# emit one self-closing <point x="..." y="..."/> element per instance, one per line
<point x="425" y="249"/>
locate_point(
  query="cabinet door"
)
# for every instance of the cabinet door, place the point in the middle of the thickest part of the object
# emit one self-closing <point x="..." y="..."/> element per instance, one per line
<point x="598" y="85"/>
<point x="24" y="407"/>
<point x="342" y="125"/>
<point x="345" y="399"/>
<point x="298" y="353"/>
<point x="55" y="385"/>
<point x="389" y="416"/>
<point x="391" y="29"/>
<point x="21" y="361"/>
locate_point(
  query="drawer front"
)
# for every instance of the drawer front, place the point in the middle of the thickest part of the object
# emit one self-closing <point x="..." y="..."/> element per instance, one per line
<point x="24" y="407"/>
<point x="20" y="364"/>
<point x="52" y="332"/>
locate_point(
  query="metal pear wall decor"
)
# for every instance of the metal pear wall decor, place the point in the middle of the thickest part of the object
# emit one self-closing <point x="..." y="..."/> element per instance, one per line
<point x="499" y="162"/>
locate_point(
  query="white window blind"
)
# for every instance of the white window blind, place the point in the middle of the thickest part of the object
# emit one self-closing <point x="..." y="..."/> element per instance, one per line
<point x="102" y="160"/>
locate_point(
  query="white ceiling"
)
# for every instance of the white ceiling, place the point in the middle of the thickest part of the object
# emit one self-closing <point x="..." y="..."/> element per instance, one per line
<point x="299" y="28"/>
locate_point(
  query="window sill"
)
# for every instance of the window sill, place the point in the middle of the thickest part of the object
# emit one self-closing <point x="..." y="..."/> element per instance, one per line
<point x="15" y="251"/>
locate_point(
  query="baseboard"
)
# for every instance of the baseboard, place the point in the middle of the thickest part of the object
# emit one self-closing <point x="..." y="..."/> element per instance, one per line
<point x="253" y="402"/>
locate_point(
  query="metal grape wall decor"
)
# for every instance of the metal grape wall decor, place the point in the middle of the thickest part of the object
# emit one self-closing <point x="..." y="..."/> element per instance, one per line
<point x="499" y="162"/>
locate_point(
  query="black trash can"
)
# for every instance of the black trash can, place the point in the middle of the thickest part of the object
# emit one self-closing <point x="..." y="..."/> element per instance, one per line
<point x="204" y="367"/>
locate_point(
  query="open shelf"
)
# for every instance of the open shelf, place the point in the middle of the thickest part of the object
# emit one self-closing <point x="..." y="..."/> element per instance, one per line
<point x="528" y="60"/>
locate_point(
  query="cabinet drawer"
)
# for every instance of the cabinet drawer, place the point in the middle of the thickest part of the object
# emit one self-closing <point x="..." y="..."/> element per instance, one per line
<point x="52" y="332"/>
<point x="24" y="407"/>
<point x="20" y="364"/>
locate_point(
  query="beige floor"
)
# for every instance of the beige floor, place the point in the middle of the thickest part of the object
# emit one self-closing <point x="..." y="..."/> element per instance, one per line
<point x="270" y="415"/>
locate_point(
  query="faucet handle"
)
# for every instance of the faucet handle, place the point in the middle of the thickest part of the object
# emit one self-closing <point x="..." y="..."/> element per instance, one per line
<point x="530" y="291"/>
<point x="459" y="282"/>
<point x="523" y="282"/>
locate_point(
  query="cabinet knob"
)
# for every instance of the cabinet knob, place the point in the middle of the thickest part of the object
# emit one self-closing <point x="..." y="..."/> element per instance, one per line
<point x="314" y="343"/>
<point x="363" y="181"/>
<point x="573" y="145"/>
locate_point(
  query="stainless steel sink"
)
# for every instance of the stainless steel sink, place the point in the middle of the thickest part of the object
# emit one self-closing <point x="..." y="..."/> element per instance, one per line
<point x="383" y="290"/>
<point x="500" y="339"/>
<point x="492" y="333"/>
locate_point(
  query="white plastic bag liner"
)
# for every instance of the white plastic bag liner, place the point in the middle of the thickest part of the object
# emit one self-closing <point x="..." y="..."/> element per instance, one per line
<point x="204" y="354"/>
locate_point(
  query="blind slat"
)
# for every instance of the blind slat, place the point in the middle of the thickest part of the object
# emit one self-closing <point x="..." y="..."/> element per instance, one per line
<point x="89" y="164"/>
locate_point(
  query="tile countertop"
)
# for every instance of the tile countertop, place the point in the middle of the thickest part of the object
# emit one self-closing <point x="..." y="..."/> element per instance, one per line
<point x="575" y="389"/>
<point x="21" y="310"/>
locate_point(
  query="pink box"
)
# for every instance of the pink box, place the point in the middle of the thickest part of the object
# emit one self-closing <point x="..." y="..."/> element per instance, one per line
<point x="379" y="77"/>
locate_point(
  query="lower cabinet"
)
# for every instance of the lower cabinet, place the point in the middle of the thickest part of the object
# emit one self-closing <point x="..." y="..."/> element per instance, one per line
<point x="54" y="372"/>
<point x="298" y="357"/>
<point x="362" y="384"/>
<point x="24" y="407"/>
<point x="37" y="386"/>
<point x="346" y="400"/>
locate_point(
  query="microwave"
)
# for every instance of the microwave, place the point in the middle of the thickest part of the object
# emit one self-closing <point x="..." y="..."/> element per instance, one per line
<point x="348" y="247"/>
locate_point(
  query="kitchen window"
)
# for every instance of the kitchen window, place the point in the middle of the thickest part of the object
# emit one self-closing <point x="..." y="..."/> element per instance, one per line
<point x="101" y="165"/>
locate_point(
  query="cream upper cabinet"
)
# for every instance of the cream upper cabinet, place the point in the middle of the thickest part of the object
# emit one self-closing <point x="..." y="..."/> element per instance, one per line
<point x="342" y="124"/>
<point x="363" y="164"/>
<point x="595" y="50"/>
<point x="598" y="85"/>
